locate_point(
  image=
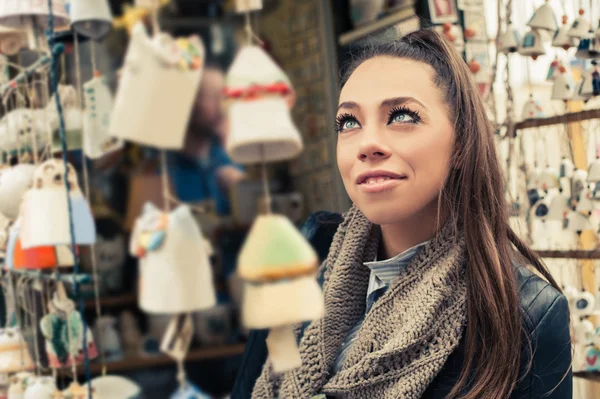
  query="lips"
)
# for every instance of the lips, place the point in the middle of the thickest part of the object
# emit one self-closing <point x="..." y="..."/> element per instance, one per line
<point x="377" y="176"/>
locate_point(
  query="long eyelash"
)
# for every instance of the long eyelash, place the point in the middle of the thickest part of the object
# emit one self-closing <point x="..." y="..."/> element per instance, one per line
<point x="341" y="119"/>
<point x="404" y="110"/>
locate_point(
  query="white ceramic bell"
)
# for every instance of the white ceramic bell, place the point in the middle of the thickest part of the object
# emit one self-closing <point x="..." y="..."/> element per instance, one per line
<point x="561" y="38"/>
<point x="14" y="182"/>
<point x="508" y="41"/>
<point x="14" y="353"/>
<point x="157" y="89"/>
<point x="586" y="87"/>
<point x="544" y="18"/>
<point x="12" y="40"/>
<point x="30" y="13"/>
<point x="262" y="131"/>
<point x="558" y="207"/>
<point x="45" y="209"/>
<point x="115" y="387"/>
<point x="532" y="109"/>
<point x="260" y="94"/>
<point x="150" y="4"/>
<point x="577" y="222"/>
<point x="91" y="19"/>
<point x="563" y="87"/>
<point x="532" y="44"/>
<point x="580" y="26"/>
<point x="97" y="141"/>
<point x="548" y="178"/>
<point x="282" y="303"/>
<point x="40" y="388"/>
<point x="18" y="385"/>
<point x="274" y="249"/>
<point x="175" y="240"/>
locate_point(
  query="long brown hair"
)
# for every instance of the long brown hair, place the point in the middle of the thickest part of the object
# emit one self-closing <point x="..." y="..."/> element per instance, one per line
<point x="473" y="194"/>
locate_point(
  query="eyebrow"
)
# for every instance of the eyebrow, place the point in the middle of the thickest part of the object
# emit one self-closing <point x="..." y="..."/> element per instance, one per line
<point x="387" y="103"/>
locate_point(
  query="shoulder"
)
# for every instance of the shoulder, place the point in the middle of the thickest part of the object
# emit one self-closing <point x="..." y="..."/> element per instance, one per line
<point x="538" y="299"/>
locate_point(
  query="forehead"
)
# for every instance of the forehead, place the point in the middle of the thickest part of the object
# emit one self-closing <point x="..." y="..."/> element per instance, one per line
<point x="386" y="77"/>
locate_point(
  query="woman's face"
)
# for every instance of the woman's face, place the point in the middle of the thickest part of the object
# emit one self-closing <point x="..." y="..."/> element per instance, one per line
<point x="394" y="139"/>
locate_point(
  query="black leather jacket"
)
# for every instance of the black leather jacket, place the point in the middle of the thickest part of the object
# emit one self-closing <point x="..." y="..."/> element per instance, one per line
<point x="546" y="317"/>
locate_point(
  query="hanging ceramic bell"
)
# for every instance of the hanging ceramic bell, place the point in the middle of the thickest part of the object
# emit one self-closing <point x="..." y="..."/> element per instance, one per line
<point x="544" y="18"/>
<point x="14" y="353"/>
<point x="532" y="109"/>
<point x="558" y="207"/>
<point x="157" y="89"/>
<point x="532" y="44"/>
<point x="580" y="27"/>
<point x="45" y="209"/>
<point x="256" y="87"/>
<point x="92" y="19"/>
<point x="586" y="88"/>
<point x="97" y="141"/>
<point x="562" y="38"/>
<point x="14" y="182"/>
<point x="275" y="249"/>
<point x="115" y="387"/>
<point x="563" y="86"/>
<point x="243" y="6"/>
<point x="18" y="385"/>
<point x="174" y="239"/>
<point x="508" y="42"/>
<point x="553" y="70"/>
<point x="566" y="168"/>
<point x="12" y="40"/>
<point x="33" y="15"/>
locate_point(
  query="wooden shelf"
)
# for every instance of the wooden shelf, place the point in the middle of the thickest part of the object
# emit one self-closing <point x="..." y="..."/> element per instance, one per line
<point x="145" y="362"/>
<point x="573" y="254"/>
<point x="113" y="301"/>
<point x="402" y="14"/>
<point x="559" y="119"/>
<point x="588" y="375"/>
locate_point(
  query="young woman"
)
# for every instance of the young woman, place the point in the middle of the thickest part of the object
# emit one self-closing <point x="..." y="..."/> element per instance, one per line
<point x="428" y="291"/>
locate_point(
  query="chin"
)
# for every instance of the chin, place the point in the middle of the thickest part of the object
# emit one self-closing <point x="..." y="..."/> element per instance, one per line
<point x="381" y="214"/>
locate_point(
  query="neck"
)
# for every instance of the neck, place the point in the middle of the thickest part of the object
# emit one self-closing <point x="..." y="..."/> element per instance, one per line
<point x="401" y="235"/>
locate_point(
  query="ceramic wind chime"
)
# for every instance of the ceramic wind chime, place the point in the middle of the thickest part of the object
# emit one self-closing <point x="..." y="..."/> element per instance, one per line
<point x="277" y="264"/>
<point x="156" y="92"/>
<point x="93" y="20"/>
<point x="543" y="22"/>
<point x="562" y="38"/>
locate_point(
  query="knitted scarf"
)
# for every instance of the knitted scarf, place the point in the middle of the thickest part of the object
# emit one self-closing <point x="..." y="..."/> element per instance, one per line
<point x="405" y="338"/>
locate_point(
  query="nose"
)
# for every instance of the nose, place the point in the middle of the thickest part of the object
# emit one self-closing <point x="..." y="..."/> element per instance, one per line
<point x="372" y="148"/>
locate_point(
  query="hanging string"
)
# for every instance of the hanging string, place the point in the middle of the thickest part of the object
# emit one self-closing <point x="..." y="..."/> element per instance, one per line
<point x="34" y="325"/>
<point x="529" y="77"/>
<point x="87" y="195"/>
<point x="93" y="57"/>
<point x="54" y="84"/>
<point x="265" y="179"/>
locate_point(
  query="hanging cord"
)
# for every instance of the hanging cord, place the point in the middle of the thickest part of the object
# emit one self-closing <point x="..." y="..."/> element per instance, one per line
<point x="54" y="83"/>
<point x="86" y="193"/>
<point x="34" y="325"/>
<point x="265" y="180"/>
<point x="529" y="77"/>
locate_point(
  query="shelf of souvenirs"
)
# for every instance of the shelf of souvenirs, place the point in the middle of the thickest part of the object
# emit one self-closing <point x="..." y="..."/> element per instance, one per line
<point x="154" y="361"/>
<point x="570" y="254"/>
<point x="588" y="375"/>
<point x="397" y="19"/>
<point x="571" y="117"/>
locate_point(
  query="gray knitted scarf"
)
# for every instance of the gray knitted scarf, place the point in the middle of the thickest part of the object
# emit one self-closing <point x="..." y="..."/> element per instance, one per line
<point x="406" y="337"/>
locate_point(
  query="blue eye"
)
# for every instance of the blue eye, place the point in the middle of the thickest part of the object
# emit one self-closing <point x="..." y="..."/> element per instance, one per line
<point x="403" y="115"/>
<point x="346" y="122"/>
